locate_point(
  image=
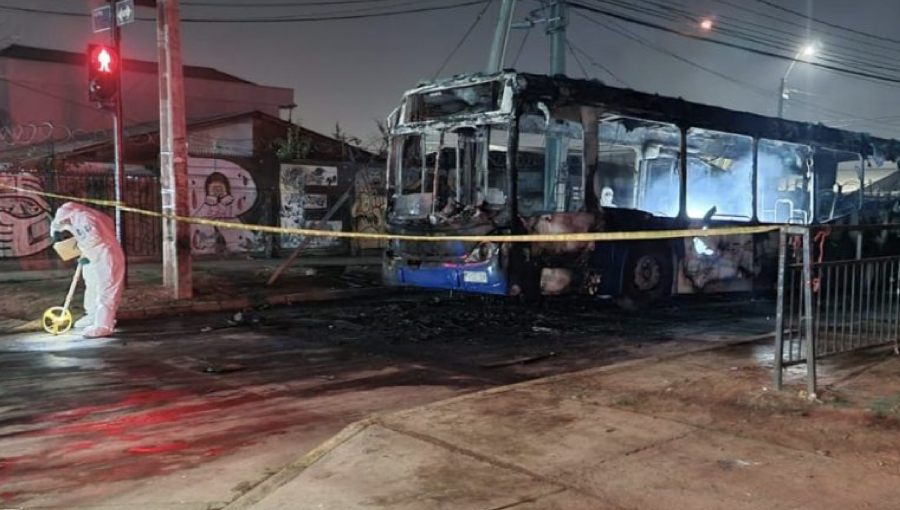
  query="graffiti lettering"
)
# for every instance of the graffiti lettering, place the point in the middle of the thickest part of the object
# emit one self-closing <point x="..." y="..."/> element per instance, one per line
<point x="24" y="217"/>
<point x="369" y="205"/>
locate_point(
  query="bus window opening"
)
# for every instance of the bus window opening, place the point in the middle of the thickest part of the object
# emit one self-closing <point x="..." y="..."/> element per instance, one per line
<point x="550" y="165"/>
<point x="719" y="175"/>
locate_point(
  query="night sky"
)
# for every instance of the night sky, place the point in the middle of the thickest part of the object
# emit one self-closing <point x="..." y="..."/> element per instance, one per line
<point x="354" y="71"/>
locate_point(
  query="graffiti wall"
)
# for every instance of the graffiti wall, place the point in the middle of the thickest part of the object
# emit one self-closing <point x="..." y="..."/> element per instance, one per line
<point x="307" y="192"/>
<point x="369" y="202"/>
<point x="24" y="217"/>
<point x="224" y="191"/>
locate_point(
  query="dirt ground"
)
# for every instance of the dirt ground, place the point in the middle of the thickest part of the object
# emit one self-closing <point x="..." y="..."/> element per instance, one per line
<point x="855" y="415"/>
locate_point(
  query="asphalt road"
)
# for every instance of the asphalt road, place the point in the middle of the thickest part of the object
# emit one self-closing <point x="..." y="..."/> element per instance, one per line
<point x="192" y="412"/>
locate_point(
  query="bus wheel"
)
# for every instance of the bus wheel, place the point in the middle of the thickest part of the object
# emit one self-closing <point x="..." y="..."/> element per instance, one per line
<point x="647" y="277"/>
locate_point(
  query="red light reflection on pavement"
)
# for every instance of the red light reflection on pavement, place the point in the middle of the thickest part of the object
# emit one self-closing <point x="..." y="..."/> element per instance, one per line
<point x="143" y="435"/>
<point x="119" y="425"/>
<point x="160" y="448"/>
<point x="134" y="399"/>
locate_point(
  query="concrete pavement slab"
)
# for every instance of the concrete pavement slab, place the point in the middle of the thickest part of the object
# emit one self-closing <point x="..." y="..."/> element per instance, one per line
<point x="713" y="471"/>
<point x="684" y="446"/>
<point x="391" y="470"/>
<point x="566" y="499"/>
<point x="532" y="428"/>
<point x="610" y="385"/>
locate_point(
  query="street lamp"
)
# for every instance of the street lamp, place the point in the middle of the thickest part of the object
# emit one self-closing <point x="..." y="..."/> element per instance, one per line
<point x="805" y="52"/>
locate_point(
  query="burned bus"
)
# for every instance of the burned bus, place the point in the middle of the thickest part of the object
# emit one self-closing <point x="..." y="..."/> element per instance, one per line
<point x="514" y="153"/>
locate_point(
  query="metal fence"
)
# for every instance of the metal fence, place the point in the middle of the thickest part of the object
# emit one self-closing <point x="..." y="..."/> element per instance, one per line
<point x="838" y="291"/>
<point x="142" y="234"/>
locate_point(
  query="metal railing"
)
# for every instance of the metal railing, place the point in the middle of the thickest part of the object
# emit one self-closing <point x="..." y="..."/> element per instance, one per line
<point x="838" y="291"/>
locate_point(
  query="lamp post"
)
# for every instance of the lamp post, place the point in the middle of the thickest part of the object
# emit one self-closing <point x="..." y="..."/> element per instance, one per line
<point x="807" y="51"/>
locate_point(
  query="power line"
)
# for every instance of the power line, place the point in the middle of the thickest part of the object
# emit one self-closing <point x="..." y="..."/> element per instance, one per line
<point x="827" y="23"/>
<point x="48" y="94"/>
<point x="577" y="60"/>
<point x="42" y="11"/>
<point x="833" y="51"/>
<point x="521" y="47"/>
<point x="355" y="11"/>
<point x="644" y="42"/>
<point x="487" y="3"/>
<point x="295" y="3"/>
<point x="758" y="34"/>
<point x="788" y="22"/>
<point x="832" y="64"/>
<point x="335" y="17"/>
<point x="279" y="19"/>
<point x="728" y="44"/>
<point x="624" y="32"/>
<point x="599" y="65"/>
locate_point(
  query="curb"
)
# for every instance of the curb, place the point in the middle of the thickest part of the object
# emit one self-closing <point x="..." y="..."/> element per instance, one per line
<point x="291" y="471"/>
<point x="615" y="367"/>
<point x="231" y="305"/>
<point x="238" y="304"/>
<point x="297" y="467"/>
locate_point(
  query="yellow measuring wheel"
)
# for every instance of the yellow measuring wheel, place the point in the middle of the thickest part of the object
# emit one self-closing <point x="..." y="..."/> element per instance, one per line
<point x="58" y="319"/>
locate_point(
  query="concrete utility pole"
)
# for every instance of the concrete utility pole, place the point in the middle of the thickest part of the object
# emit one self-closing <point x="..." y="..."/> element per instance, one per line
<point x="556" y="30"/>
<point x="177" y="263"/>
<point x="501" y="37"/>
<point x="807" y="51"/>
<point x="782" y="91"/>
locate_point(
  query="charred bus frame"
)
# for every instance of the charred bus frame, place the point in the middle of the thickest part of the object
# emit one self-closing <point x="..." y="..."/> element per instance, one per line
<point x="516" y="153"/>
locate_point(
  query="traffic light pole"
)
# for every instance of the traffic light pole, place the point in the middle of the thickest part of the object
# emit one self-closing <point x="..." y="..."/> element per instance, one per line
<point x="118" y="132"/>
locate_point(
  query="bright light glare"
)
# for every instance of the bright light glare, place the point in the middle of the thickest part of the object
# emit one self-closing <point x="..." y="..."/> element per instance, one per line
<point x="706" y="24"/>
<point x="809" y="50"/>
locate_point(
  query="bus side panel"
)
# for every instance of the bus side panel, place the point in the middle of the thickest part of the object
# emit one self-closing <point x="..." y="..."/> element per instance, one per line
<point x="731" y="263"/>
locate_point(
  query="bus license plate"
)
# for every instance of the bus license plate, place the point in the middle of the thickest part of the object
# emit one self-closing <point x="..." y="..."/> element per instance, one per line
<point x="475" y="276"/>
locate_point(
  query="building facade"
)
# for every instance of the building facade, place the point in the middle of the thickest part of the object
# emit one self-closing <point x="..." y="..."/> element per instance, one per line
<point x="44" y="95"/>
<point x="246" y="164"/>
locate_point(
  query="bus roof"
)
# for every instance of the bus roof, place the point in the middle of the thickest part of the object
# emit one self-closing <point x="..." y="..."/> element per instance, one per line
<point x="561" y="91"/>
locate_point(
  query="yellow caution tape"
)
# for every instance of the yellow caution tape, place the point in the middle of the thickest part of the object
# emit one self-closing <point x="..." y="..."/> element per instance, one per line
<point x="524" y="238"/>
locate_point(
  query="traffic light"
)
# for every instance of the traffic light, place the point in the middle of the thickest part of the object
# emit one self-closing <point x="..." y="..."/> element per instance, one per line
<point x="103" y="73"/>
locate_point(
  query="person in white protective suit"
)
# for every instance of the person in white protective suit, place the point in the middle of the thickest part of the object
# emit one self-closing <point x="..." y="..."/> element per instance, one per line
<point x="103" y="265"/>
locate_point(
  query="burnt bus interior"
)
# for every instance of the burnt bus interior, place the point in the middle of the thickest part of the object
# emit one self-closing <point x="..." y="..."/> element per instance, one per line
<point x="534" y="154"/>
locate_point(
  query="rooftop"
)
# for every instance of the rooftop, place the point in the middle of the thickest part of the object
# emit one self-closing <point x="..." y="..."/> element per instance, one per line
<point x="20" y="52"/>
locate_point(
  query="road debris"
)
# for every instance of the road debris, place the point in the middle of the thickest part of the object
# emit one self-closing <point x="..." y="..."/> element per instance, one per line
<point x="524" y="360"/>
<point x="226" y="368"/>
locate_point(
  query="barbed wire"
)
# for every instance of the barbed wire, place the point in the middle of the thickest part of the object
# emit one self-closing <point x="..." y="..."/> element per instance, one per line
<point x="28" y="142"/>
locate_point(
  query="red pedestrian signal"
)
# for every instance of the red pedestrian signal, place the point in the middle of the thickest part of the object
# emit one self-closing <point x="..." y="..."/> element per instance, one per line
<point x="103" y="73"/>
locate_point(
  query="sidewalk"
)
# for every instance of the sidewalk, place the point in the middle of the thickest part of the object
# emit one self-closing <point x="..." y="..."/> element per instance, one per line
<point x="219" y="285"/>
<point x="694" y="432"/>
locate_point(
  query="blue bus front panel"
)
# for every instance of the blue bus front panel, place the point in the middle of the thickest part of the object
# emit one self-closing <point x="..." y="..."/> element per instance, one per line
<point x="477" y="277"/>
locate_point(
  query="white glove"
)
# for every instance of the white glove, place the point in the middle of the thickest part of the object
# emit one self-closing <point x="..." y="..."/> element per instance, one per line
<point x="57" y="226"/>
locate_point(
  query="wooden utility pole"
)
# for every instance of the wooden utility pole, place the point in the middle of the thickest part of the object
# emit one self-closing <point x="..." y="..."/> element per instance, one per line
<point x="173" y="157"/>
